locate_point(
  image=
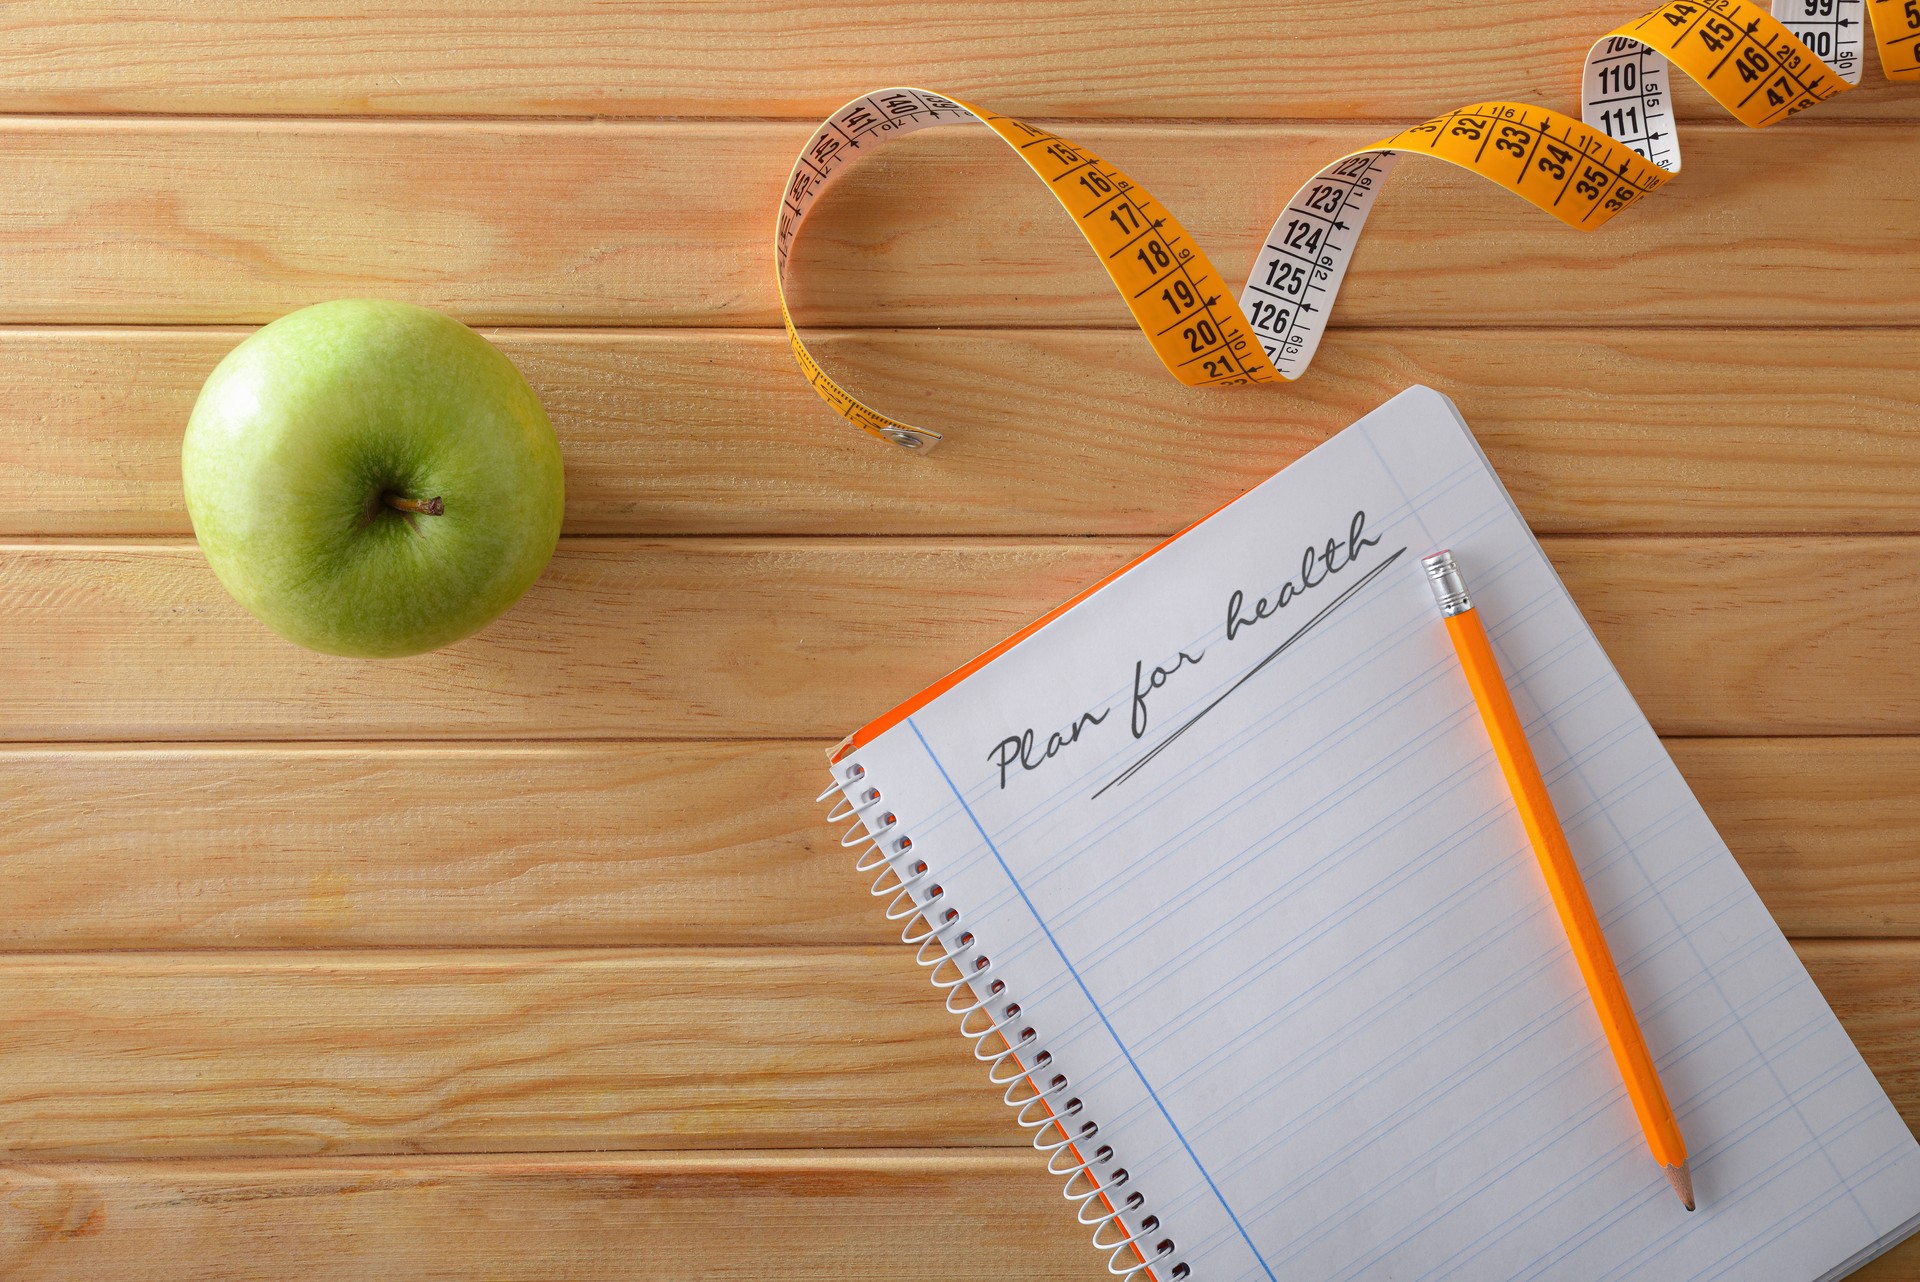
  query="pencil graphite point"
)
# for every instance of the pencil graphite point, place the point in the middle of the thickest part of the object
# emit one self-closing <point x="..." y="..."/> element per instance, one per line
<point x="1681" y="1177"/>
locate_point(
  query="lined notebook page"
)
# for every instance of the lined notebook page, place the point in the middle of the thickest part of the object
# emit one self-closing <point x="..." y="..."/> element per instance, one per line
<point x="1232" y="833"/>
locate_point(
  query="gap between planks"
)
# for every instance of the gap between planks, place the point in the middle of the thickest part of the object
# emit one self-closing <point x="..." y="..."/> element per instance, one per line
<point x="292" y="121"/>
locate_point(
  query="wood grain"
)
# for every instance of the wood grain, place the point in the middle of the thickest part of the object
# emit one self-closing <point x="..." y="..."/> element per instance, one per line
<point x="225" y="221"/>
<point x="1828" y="830"/>
<point x="680" y="843"/>
<point x="712" y="432"/>
<point x="425" y="845"/>
<point x="475" y="1051"/>
<point x="416" y="1051"/>
<point x="933" y="1215"/>
<point x="1398" y="59"/>
<point x="733" y="638"/>
<point x="277" y="1007"/>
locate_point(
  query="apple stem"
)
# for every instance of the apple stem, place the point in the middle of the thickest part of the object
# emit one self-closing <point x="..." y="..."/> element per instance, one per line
<point x="428" y="507"/>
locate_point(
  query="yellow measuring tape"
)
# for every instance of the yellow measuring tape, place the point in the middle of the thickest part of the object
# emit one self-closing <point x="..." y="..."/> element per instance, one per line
<point x="1761" y="66"/>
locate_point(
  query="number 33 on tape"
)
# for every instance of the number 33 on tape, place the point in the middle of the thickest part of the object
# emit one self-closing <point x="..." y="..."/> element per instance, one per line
<point x="1761" y="66"/>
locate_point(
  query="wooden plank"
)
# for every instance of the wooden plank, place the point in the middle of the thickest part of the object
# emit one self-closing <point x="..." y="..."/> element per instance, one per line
<point x="1793" y="607"/>
<point x="670" y="223"/>
<point x="1828" y="830"/>
<point x="659" y="844"/>
<point x="646" y="844"/>
<point x="1593" y="430"/>
<point x="1399" y="59"/>
<point x="233" y="1053"/>
<point x="802" y="638"/>
<point x="933" y="1215"/>
<point x="250" y="1053"/>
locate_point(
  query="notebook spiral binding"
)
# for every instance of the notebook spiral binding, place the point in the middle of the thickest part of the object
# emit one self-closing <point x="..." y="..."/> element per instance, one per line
<point x="936" y="930"/>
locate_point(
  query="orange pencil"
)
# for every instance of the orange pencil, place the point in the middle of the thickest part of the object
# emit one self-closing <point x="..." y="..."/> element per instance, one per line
<point x="1562" y="874"/>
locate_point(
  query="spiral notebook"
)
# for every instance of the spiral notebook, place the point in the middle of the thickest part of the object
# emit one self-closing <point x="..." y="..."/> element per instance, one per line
<point x="1218" y="869"/>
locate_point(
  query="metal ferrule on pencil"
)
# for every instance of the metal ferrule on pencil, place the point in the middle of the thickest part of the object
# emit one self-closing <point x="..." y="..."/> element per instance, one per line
<point x="1449" y="589"/>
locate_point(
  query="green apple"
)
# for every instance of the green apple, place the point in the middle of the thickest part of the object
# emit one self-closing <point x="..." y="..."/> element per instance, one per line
<point x="371" y="478"/>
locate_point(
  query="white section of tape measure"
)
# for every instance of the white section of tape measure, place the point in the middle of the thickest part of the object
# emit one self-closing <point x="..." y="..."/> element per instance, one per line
<point x="1626" y="93"/>
<point x="1297" y="275"/>
<point x="1835" y="31"/>
<point x="887" y="114"/>
<point x="1626" y="89"/>
<point x="877" y="117"/>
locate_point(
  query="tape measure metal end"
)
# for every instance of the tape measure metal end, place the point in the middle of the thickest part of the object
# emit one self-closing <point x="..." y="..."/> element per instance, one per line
<point x="915" y="439"/>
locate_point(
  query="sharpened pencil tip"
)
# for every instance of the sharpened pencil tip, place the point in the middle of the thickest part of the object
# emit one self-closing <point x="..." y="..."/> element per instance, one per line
<point x="1681" y="1177"/>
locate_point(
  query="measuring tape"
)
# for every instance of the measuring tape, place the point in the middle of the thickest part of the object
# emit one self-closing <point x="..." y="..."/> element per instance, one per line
<point x="1761" y="66"/>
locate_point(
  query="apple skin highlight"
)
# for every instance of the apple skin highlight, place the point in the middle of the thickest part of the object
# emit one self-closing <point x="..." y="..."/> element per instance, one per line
<point x="372" y="478"/>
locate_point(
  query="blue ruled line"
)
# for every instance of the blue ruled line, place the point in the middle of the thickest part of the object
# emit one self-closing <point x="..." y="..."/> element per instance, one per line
<point x="1088" y="993"/>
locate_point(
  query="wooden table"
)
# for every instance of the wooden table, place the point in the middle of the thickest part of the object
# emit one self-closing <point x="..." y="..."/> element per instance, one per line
<point x="530" y="959"/>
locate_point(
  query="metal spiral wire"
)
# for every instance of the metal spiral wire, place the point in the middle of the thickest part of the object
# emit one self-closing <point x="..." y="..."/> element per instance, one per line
<point x="952" y="956"/>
